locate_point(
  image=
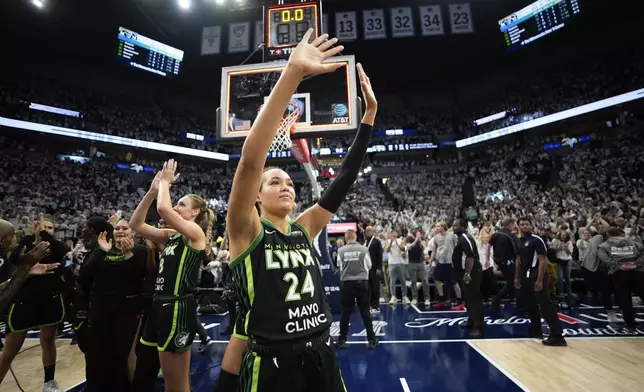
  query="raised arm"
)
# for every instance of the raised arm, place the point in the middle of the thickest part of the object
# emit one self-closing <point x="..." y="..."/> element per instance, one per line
<point x="242" y="221"/>
<point x="137" y="222"/>
<point x="316" y="217"/>
<point x="191" y="230"/>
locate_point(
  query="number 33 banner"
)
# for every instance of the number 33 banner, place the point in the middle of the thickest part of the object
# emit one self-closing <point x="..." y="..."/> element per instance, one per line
<point x="374" y="24"/>
<point x="345" y="26"/>
<point x="401" y="23"/>
<point x="460" y="17"/>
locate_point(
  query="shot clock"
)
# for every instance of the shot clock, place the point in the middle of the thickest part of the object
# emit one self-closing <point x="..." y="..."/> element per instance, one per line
<point x="286" y="24"/>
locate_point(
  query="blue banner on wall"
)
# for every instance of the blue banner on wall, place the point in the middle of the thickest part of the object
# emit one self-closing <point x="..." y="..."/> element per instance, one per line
<point x="330" y="277"/>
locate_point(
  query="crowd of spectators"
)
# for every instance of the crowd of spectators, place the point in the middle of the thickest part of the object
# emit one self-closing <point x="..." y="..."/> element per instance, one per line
<point x="589" y="181"/>
<point x="159" y="116"/>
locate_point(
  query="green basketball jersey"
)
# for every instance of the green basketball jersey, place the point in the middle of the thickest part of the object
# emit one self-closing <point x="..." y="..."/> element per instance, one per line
<point x="178" y="268"/>
<point x="279" y="287"/>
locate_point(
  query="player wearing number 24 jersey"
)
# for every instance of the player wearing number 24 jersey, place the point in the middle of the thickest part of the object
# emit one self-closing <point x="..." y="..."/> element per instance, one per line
<point x="281" y="340"/>
<point x="280" y="266"/>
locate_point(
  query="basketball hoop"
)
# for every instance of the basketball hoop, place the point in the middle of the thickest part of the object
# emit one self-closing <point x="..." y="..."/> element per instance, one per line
<point x="282" y="141"/>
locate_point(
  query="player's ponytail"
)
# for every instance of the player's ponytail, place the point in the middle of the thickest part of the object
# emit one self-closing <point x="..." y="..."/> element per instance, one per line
<point x="206" y="217"/>
<point x="211" y="221"/>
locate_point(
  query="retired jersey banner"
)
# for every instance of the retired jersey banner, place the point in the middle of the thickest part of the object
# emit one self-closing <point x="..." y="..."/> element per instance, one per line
<point x="431" y="20"/>
<point x="259" y="33"/>
<point x="373" y="22"/>
<point x="239" y="37"/>
<point x="460" y="17"/>
<point x="402" y="25"/>
<point x="346" y="28"/>
<point x="211" y="40"/>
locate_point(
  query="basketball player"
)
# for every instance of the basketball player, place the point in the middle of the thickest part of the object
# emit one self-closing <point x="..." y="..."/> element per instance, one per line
<point x="531" y="278"/>
<point x="172" y="324"/>
<point x="28" y="262"/>
<point x="281" y="340"/>
<point x="114" y="307"/>
<point x="38" y="304"/>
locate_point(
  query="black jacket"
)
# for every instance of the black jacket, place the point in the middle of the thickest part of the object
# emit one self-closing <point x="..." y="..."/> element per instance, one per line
<point x="375" y="252"/>
<point x="38" y="286"/>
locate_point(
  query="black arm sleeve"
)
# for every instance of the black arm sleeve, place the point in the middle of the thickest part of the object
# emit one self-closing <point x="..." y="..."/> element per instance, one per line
<point x="337" y="191"/>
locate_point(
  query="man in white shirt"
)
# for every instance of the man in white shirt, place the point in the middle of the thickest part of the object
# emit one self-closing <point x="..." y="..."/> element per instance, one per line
<point x="397" y="263"/>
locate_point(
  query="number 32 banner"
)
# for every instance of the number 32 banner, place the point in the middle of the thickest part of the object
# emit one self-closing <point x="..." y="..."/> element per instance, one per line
<point x="460" y="18"/>
<point x="402" y="24"/>
<point x="346" y="28"/>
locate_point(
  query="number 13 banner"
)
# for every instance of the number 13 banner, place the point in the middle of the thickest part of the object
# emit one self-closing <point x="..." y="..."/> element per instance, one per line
<point x="346" y="28"/>
<point x="402" y="24"/>
<point x="460" y="17"/>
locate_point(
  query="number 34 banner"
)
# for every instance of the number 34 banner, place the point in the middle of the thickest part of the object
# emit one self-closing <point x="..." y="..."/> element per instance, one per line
<point x="460" y="18"/>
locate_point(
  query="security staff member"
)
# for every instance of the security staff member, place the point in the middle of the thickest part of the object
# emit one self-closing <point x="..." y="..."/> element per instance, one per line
<point x="531" y="278"/>
<point x="375" y="254"/>
<point x="504" y="247"/>
<point x="354" y="263"/>
<point x="470" y="272"/>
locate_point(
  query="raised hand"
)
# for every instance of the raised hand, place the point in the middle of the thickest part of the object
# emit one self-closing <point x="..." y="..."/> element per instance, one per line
<point x="367" y="91"/>
<point x="43" y="269"/>
<point x="307" y="57"/>
<point x="36" y="254"/>
<point x="104" y="243"/>
<point x="126" y="244"/>
<point x="113" y="219"/>
<point x="168" y="173"/>
<point x="154" y="187"/>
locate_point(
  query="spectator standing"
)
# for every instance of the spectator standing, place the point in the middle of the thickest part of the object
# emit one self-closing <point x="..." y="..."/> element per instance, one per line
<point x="504" y="249"/>
<point x="563" y="248"/>
<point x="397" y="264"/>
<point x="375" y="254"/>
<point x="416" y="266"/>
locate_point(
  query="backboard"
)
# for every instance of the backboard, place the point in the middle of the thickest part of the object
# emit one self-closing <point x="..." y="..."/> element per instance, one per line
<point x="329" y="102"/>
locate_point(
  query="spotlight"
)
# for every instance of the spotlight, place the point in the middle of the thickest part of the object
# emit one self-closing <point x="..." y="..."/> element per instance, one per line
<point x="38" y="3"/>
<point x="220" y="2"/>
<point x="185" y="4"/>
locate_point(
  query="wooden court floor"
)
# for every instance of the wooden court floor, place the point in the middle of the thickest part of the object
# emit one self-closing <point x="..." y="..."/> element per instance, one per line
<point x="70" y="367"/>
<point x="594" y="364"/>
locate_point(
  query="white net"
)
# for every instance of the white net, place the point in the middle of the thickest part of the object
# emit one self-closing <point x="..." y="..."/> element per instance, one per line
<point x="282" y="141"/>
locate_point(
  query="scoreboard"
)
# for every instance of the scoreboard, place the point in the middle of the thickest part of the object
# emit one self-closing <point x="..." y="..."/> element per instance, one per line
<point x="536" y="21"/>
<point x="286" y="24"/>
<point x="138" y="51"/>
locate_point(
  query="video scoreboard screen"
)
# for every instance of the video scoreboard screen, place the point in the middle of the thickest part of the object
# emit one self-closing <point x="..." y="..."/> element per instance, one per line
<point x="138" y="51"/>
<point x="536" y="21"/>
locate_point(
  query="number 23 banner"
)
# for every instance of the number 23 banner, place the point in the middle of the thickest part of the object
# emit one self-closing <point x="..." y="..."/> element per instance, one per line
<point x="460" y="17"/>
